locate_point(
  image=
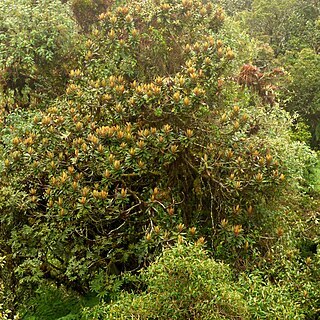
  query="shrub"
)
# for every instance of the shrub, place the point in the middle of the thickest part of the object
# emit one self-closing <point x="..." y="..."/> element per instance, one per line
<point x="51" y="303"/>
<point x="182" y="284"/>
<point x="292" y="262"/>
<point x="269" y="301"/>
<point x="37" y="44"/>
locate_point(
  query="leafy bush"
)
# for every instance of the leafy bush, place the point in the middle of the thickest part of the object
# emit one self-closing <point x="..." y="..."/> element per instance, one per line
<point x="37" y="43"/>
<point x="301" y="132"/>
<point x="293" y="260"/>
<point x="182" y="284"/>
<point x="52" y="304"/>
<point x="269" y="301"/>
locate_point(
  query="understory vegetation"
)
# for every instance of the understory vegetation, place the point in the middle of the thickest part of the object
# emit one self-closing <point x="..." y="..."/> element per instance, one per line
<point x="159" y="159"/>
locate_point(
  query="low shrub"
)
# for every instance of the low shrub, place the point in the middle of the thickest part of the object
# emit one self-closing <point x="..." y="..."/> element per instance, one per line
<point x="182" y="284"/>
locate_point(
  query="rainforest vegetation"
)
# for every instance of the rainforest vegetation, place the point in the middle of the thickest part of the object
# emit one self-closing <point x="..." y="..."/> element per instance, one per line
<point x="159" y="159"/>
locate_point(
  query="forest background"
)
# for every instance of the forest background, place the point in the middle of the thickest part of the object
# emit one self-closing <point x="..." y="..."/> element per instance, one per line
<point x="159" y="159"/>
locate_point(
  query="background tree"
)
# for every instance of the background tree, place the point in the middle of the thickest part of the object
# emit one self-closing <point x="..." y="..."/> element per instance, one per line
<point x="285" y="24"/>
<point x="303" y="94"/>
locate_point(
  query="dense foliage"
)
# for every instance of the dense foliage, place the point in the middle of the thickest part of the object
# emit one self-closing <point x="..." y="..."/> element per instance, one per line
<point x="36" y="51"/>
<point x="185" y="284"/>
<point x="303" y="89"/>
<point x="284" y="24"/>
<point x="182" y="284"/>
<point x="146" y="126"/>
